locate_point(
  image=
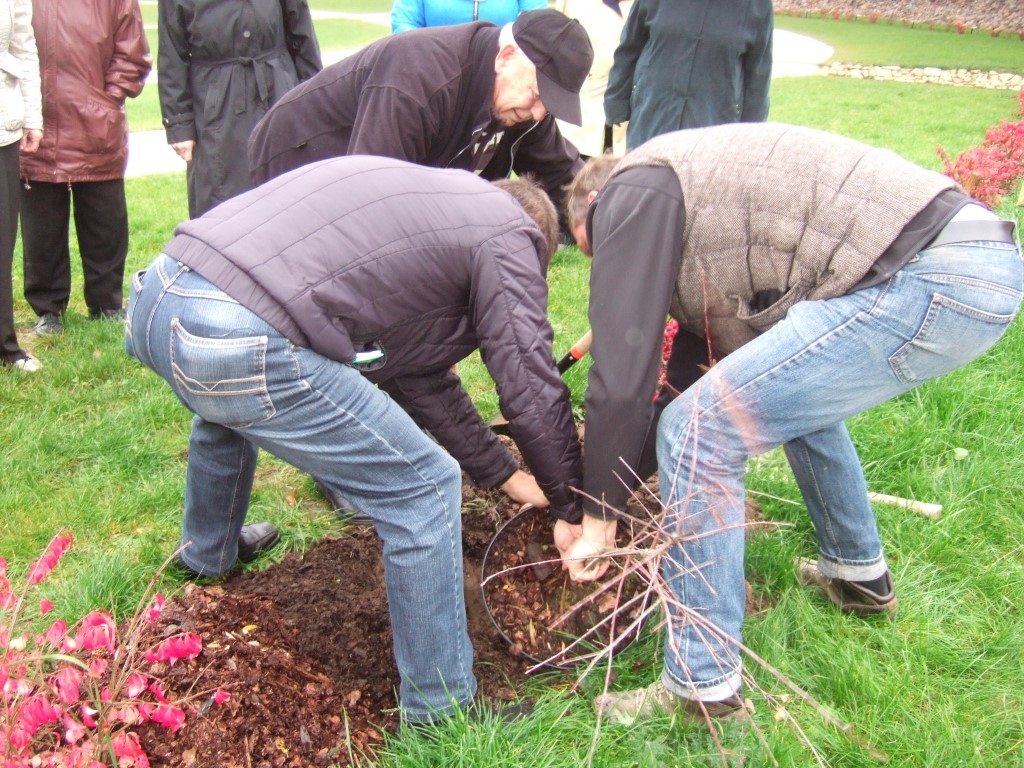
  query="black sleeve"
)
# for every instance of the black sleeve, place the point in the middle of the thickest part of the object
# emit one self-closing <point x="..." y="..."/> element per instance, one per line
<point x="300" y="38"/>
<point x="636" y="231"/>
<point x="173" y="64"/>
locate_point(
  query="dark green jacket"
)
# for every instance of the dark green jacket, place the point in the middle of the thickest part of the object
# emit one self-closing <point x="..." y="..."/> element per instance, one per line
<point x="690" y="64"/>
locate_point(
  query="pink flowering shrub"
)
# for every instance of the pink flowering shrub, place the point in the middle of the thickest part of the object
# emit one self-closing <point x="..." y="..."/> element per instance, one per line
<point x="991" y="170"/>
<point x="70" y="696"/>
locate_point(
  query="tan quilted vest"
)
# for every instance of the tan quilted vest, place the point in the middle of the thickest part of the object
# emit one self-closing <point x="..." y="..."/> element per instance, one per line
<point x="781" y="208"/>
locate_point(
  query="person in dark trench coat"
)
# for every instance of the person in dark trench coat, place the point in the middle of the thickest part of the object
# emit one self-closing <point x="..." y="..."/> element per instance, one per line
<point x="222" y="65"/>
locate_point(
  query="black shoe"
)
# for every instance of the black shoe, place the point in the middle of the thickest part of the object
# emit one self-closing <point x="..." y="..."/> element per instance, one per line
<point x="255" y="539"/>
<point x="342" y="506"/>
<point x="106" y="314"/>
<point x="49" y="324"/>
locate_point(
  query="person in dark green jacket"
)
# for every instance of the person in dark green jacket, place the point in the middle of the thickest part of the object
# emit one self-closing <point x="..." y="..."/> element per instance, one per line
<point x="690" y="64"/>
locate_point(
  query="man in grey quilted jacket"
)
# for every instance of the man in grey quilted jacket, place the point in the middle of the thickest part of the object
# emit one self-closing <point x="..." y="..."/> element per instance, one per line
<point x="311" y="316"/>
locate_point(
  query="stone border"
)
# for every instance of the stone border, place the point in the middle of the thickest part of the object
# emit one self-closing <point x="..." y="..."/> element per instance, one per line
<point x="972" y="78"/>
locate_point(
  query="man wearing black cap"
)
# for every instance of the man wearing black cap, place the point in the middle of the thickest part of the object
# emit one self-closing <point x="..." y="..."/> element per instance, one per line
<point x="471" y="96"/>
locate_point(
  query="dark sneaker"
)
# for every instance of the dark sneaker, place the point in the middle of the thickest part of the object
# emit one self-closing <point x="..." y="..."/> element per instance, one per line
<point x="342" y="506"/>
<point x="106" y="314"/>
<point x="626" y="707"/>
<point x="49" y="324"/>
<point x="850" y="596"/>
<point x="256" y="539"/>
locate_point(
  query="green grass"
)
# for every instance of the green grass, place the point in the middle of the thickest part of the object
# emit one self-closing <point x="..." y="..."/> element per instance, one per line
<point x="884" y="44"/>
<point x="912" y="118"/>
<point x="96" y="444"/>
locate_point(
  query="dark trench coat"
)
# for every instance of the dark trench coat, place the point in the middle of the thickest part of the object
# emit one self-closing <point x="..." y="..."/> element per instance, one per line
<point x="222" y="64"/>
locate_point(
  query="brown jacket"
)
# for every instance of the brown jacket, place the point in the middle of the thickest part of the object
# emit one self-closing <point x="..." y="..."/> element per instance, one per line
<point x="92" y="56"/>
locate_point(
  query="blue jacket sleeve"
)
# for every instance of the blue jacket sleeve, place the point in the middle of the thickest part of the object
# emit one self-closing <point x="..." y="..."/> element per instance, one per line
<point x="407" y="14"/>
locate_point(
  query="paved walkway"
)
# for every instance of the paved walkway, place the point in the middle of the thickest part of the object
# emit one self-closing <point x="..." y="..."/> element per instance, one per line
<point x="148" y="152"/>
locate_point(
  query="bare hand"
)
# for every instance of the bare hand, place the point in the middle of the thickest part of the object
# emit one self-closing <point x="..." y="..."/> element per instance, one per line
<point x="30" y="138"/>
<point x="565" y="535"/>
<point x="522" y="488"/>
<point x="585" y="559"/>
<point x="184" y="149"/>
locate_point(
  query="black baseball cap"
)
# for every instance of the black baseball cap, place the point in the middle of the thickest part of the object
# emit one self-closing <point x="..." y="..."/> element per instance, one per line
<point x="560" y="50"/>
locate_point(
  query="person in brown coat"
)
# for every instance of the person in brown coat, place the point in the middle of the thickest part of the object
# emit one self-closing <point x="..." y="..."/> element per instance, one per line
<point x="91" y="57"/>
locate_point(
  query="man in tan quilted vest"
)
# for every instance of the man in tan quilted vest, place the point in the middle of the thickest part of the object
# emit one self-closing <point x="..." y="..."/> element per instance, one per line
<point x="814" y="277"/>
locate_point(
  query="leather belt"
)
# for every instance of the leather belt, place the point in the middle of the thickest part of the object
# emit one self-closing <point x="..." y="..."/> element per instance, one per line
<point x="992" y="230"/>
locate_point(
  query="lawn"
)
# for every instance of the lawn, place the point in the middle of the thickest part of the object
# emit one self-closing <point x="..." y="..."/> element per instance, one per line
<point x="96" y="444"/>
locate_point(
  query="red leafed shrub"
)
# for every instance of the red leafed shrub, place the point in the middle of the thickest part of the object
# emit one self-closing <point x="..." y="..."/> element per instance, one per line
<point x="988" y="172"/>
<point x="71" y="697"/>
<point x="874" y="17"/>
<point x="961" y="28"/>
<point x="671" y="328"/>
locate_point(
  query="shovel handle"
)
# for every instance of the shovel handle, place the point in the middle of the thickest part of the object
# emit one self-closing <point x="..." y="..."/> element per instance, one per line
<point x="577" y="351"/>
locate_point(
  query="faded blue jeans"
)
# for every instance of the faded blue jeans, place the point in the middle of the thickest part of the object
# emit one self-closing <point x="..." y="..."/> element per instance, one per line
<point x="249" y="388"/>
<point x="794" y="386"/>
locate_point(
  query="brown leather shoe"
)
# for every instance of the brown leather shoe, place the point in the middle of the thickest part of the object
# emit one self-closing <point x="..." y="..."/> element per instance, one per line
<point x="850" y="596"/>
<point x="626" y="707"/>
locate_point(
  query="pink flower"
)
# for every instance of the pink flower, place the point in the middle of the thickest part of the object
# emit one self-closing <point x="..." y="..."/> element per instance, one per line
<point x="97" y="667"/>
<point x="168" y="716"/>
<point x="68" y="681"/>
<point x="7" y="598"/>
<point x="45" y="606"/>
<point x="157" y="689"/>
<point x="221" y="696"/>
<point x="57" y="632"/>
<point x="136" y="685"/>
<point x="19" y="738"/>
<point x="96" y="631"/>
<point x="186" y="646"/>
<point x="36" y="712"/>
<point x="49" y="559"/>
<point x="153" y="612"/>
<point x="89" y="716"/>
<point x="73" y="730"/>
<point x="128" y="751"/>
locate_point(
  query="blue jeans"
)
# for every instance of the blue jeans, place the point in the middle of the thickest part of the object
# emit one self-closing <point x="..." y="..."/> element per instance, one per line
<point x="249" y="388"/>
<point x="793" y="386"/>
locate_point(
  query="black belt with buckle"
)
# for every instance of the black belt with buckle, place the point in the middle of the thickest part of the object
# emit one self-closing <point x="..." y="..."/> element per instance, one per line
<point x="992" y="230"/>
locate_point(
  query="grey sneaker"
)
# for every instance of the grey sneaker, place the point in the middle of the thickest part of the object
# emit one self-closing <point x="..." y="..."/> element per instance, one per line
<point x="850" y="596"/>
<point x="49" y="324"/>
<point x="626" y="707"/>
<point x="28" y="364"/>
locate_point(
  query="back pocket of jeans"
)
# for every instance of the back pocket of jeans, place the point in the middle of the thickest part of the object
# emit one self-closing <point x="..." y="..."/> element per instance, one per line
<point x="222" y="380"/>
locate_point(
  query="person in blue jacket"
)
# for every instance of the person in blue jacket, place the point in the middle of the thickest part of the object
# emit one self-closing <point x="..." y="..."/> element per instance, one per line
<point x="417" y="14"/>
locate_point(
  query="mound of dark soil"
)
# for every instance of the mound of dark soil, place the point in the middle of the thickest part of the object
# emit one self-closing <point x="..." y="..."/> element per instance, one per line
<point x="305" y="650"/>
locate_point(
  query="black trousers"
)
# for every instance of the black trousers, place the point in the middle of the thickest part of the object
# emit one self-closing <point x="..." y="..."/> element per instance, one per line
<point x="101" y="221"/>
<point x="9" y="201"/>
